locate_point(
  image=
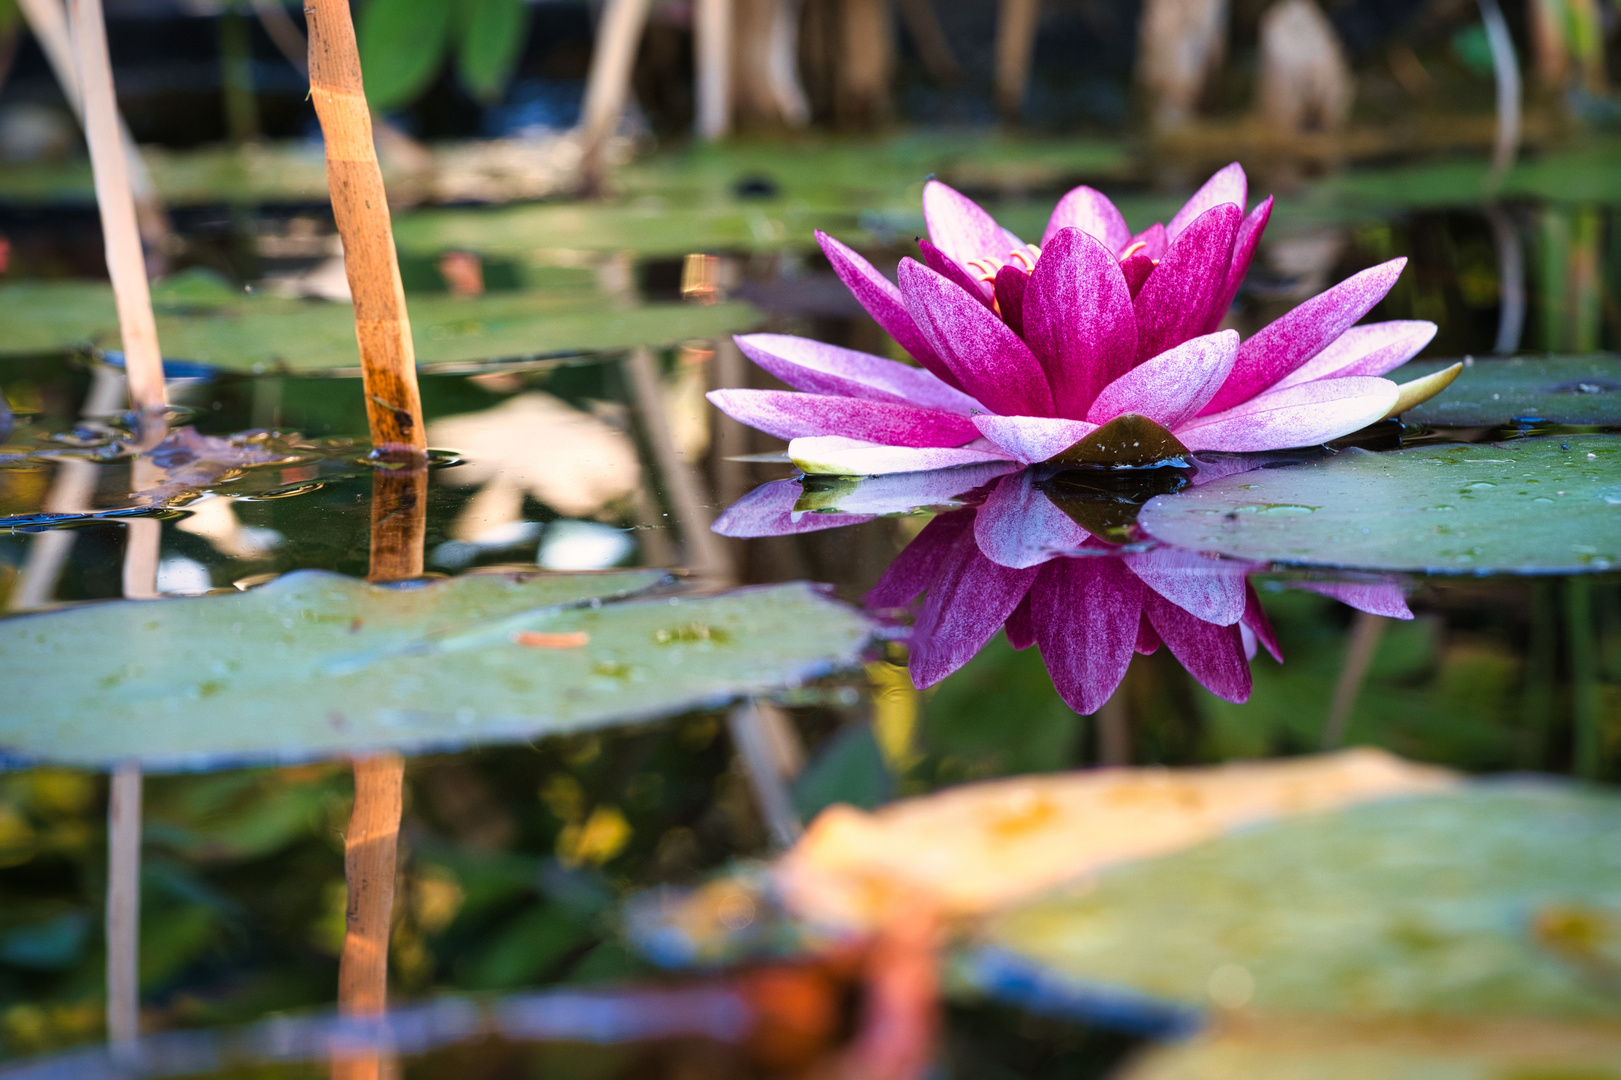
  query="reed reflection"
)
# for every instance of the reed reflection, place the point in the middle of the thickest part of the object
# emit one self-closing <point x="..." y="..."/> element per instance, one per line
<point x="1057" y="560"/>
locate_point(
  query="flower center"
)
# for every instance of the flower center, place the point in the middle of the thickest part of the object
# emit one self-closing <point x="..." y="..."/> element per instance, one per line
<point x="1025" y="258"/>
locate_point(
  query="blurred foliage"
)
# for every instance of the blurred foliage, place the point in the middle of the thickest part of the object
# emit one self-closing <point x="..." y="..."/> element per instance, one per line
<point x="404" y="43"/>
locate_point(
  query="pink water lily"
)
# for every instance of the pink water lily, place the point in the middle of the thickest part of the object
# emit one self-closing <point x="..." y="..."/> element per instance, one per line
<point x="1096" y="347"/>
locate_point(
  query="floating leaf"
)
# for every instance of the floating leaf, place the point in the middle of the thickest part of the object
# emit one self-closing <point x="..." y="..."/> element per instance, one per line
<point x="266" y="334"/>
<point x="1555" y="389"/>
<point x="316" y="665"/>
<point x="1493" y="900"/>
<point x="1535" y="505"/>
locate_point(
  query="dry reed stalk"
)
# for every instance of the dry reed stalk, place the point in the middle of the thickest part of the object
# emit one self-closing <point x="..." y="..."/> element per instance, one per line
<point x="370" y="854"/>
<point x="360" y="205"/>
<point x="1015" y="44"/>
<point x="123" y="903"/>
<point x="126" y="265"/>
<point x="607" y="85"/>
<point x="929" y="37"/>
<point x="712" y="64"/>
<point x="1366" y="630"/>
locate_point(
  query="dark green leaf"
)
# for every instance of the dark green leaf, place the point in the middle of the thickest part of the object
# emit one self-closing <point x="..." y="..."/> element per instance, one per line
<point x="492" y="39"/>
<point x="402" y="43"/>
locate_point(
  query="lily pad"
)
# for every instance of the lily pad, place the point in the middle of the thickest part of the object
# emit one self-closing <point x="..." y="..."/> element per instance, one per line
<point x="1555" y="389"/>
<point x="270" y="334"/>
<point x="317" y="665"/>
<point x="1494" y="900"/>
<point x="1534" y="505"/>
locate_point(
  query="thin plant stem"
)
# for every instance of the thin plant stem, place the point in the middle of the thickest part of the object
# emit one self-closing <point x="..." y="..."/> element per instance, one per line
<point x="760" y="762"/>
<point x="360" y="205"/>
<point x="1510" y="281"/>
<point x="1506" y="69"/>
<point x="126" y="265"/>
<point x="712" y="66"/>
<point x="1015" y="42"/>
<point x="607" y="84"/>
<point x="933" y="47"/>
<point x="1541" y="675"/>
<point x="1366" y="630"/>
<point x="1114" y="730"/>
<point x="1587" y="735"/>
<point x="123" y="904"/>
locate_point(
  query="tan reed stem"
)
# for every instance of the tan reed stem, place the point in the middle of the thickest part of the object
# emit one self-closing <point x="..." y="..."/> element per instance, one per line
<point x="387" y="356"/>
<point x="126" y="265"/>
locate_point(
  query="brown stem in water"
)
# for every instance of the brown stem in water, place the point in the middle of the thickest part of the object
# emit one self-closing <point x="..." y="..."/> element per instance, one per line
<point x="143" y="361"/>
<point x="1366" y="630"/>
<point x="387" y="356"/>
<point x="370" y="849"/>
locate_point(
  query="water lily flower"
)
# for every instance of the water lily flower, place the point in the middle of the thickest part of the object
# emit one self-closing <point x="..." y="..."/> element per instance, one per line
<point x="1091" y="349"/>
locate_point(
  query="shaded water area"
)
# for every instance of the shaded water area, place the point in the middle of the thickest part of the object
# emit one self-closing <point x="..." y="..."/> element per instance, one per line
<point x="541" y="921"/>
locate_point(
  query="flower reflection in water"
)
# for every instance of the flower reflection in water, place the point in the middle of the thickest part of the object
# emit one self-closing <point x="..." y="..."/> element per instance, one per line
<point x="1055" y="558"/>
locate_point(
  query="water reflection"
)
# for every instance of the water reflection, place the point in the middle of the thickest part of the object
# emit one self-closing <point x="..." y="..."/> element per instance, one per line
<point x="1054" y="558"/>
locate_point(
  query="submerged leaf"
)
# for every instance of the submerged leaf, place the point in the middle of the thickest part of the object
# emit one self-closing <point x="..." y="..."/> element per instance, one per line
<point x="1535" y="505"/>
<point x="316" y="665"/>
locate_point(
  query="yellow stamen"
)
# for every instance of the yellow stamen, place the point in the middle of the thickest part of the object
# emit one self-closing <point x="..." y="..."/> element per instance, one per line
<point x="1133" y="249"/>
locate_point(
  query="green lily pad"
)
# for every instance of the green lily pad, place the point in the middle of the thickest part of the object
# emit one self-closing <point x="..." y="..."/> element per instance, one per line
<point x="1492" y="393"/>
<point x="1496" y="900"/>
<point x="1535" y="505"/>
<point x="317" y="665"/>
<point x="269" y="334"/>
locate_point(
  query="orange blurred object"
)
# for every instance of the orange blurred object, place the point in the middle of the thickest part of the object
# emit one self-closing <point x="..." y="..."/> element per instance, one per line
<point x="463" y="272"/>
<point x="534" y="639"/>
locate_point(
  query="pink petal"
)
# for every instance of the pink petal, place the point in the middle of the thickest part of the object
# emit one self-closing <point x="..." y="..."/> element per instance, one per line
<point x="1032" y="439"/>
<point x="988" y="360"/>
<point x="1018" y="526"/>
<point x="1256" y="622"/>
<point x="967" y="604"/>
<point x="1176" y="301"/>
<point x="1011" y="285"/>
<point x="882" y="299"/>
<point x="791" y="416"/>
<point x="1090" y="211"/>
<point x="1154" y="241"/>
<point x="954" y="272"/>
<point x="1206" y="588"/>
<point x="1374" y="597"/>
<point x="1249" y="238"/>
<point x="1305" y="415"/>
<point x="820" y="368"/>
<point x="1135" y="269"/>
<point x="1228" y="185"/>
<point x="1079" y="320"/>
<point x="961" y="229"/>
<point x="1148" y="640"/>
<point x="1290" y="340"/>
<point x="919" y="562"/>
<point x="1086" y="613"/>
<point x="1214" y="655"/>
<point x="768" y="510"/>
<point x="840" y="456"/>
<point x="1021" y="628"/>
<point x="1172" y="387"/>
<point x="1370" y="349"/>
<point x="905" y="492"/>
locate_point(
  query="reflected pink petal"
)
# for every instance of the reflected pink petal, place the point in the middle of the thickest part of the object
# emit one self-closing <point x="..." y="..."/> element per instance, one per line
<point x="1244" y="246"/>
<point x="959" y="227"/>
<point x="1079" y="320"/>
<point x="1021" y="628"/>
<point x="789" y="415"/>
<point x="1086" y="613"/>
<point x="840" y="456"/>
<point x="1289" y="341"/>
<point x="1370" y="349"/>
<point x="1018" y="526"/>
<point x="1304" y="415"/>
<point x="1228" y="185"/>
<point x="966" y="605"/>
<point x="1374" y="597"/>
<point x="1176" y="301"/>
<point x="882" y="299"/>
<point x="1171" y="388"/>
<point x="768" y="510"/>
<point x="827" y="369"/>
<point x="915" y="568"/>
<point x="988" y="360"/>
<point x="1214" y="655"/>
<point x="1256" y="622"/>
<point x="1033" y="439"/>
<point x="1147" y="639"/>
<point x="1209" y="589"/>
<point x="1090" y="211"/>
<point x="953" y="271"/>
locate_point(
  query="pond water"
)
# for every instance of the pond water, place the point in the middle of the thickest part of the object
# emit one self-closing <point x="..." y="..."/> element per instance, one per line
<point x="1470" y="644"/>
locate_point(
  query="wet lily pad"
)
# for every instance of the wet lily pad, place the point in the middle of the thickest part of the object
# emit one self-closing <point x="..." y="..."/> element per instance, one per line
<point x="1555" y="389"/>
<point x="1535" y="505"/>
<point x="1496" y="900"/>
<point x="317" y="665"/>
<point x="270" y="334"/>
